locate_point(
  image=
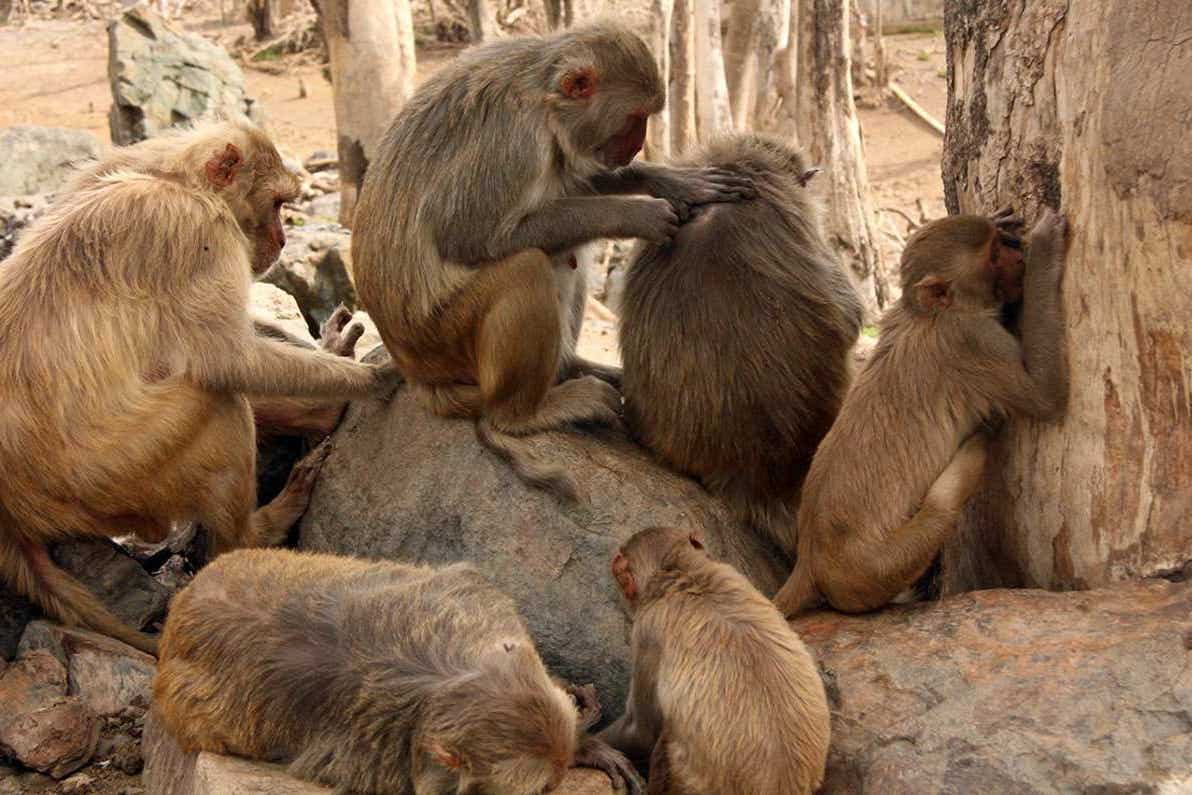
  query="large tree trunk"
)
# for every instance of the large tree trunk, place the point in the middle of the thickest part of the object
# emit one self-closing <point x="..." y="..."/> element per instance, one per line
<point x="260" y="16"/>
<point x="1084" y="106"/>
<point x="711" y="87"/>
<point x="831" y="134"/>
<point x="659" y="139"/>
<point x="680" y="90"/>
<point x="482" y="20"/>
<point x="371" y="48"/>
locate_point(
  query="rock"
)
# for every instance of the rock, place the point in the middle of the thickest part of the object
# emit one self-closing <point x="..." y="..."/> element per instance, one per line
<point x="25" y="783"/>
<point x="17" y="212"/>
<point x="323" y="208"/>
<point x="110" y="677"/>
<point x="1012" y="691"/>
<point x="170" y="771"/>
<point x="162" y="77"/>
<point x="40" y="725"/>
<point x="116" y="579"/>
<point x="404" y="485"/>
<point x="270" y="302"/>
<point x="77" y="784"/>
<point x="314" y="269"/>
<point x="174" y="575"/>
<point x="321" y="160"/>
<point x="41" y="159"/>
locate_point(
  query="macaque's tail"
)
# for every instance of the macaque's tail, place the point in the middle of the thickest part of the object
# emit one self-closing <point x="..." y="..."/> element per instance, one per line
<point x="528" y="467"/>
<point x="27" y="567"/>
<point x="798" y="594"/>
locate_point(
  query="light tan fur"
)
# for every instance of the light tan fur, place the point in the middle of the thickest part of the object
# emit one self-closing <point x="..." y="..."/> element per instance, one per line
<point x="127" y="353"/>
<point x="888" y="482"/>
<point x="725" y="698"/>
<point x="370" y="677"/>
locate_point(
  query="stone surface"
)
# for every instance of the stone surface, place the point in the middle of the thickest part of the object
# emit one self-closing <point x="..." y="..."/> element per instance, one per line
<point x="162" y="77"/>
<point x="314" y="268"/>
<point x="404" y="485"/>
<point x="110" y="677"/>
<point x="116" y="579"/>
<point x="275" y="305"/>
<point x="169" y="771"/>
<point x="15" y="613"/>
<point x="42" y="159"/>
<point x="41" y="726"/>
<point x="17" y="212"/>
<point x="1012" y="691"/>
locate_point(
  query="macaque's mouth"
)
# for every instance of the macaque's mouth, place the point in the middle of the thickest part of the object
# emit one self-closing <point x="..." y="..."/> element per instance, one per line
<point x="623" y="147"/>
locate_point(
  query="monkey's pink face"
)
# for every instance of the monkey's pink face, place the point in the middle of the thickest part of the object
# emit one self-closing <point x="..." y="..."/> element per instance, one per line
<point x="1009" y="270"/>
<point x="623" y="574"/>
<point x="626" y="143"/>
<point x="270" y="238"/>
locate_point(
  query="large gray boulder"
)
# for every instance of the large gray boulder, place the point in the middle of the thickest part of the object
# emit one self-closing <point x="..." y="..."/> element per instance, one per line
<point x="404" y="485"/>
<point x="42" y="159"/>
<point x="162" y="77"/>
<point x="1012" y="691"/>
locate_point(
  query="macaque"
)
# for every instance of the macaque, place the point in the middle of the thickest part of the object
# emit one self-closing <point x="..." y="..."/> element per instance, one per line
<point x="725" y="699"/>
<point x="736" y="337"/>
<point x="493" y="173"/>
<point x="127" y="355"/>
<point x="375" y="678"/>
<point x="889" y="480"/>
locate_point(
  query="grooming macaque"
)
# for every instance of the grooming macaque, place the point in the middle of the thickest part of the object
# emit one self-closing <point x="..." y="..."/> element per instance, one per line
<point x="369" y="677"/>
<point x="889" y="480"/>
<point x="497" y="168"/>
<point x="736" y="337"/>
<point x="725" y="699"/>
<point x="127" y="353"/>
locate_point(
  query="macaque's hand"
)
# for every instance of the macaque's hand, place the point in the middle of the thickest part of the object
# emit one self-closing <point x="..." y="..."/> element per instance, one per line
<point x="336" y="336"/>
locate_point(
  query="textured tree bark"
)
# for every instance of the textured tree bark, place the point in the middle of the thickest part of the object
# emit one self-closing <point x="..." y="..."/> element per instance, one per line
<point x="1085" y="106"/>
<point x="680" y="91"/>
<point x="260" y="16"/>
<point x="482" y="20"/>
<point x="371" y="48"/>
<point x="711" y="86"/>
<point x="755" y="32"/>
<point x="658" y="140"/>
<point x="831" y="134"/>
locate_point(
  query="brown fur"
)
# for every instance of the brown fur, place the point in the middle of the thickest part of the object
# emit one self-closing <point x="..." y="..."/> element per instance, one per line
<point x="493" y="173"/>
<point x="725" y="698"/>
<point x="368" y="677"/>
<point x="890" y="478"/>
<point x="126" y="354"/>
<point x="735" y="338"/>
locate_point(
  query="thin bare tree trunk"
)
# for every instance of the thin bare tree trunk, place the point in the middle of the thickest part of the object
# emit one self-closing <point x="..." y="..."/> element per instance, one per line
<point x="482" y="20"/>
<point x="659" y="138"/>
<point x="681" y="83"/>
<point x="371" y="46"/>
<point x="711" y="86"/>
<point x="831" y="133"/>
<point x="779" y="103"/>
<point x="1084" y="106"/>
<point x="260" y="15"/>
<point x="881" y="77"/>
<point x="741" y="58"/>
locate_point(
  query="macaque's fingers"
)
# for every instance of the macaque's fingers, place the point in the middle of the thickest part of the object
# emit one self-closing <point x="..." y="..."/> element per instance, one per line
<point x="350" y="338"/>
<point x="339" y="318"/>
<point x="587" y="703"/>
<point x="599" y="755"/>
<point x="719" y="185"/>
<point x="1049" y="234"/>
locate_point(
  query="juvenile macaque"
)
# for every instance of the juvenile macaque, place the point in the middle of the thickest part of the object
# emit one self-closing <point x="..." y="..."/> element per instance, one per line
<point x="736" y="337"/>
<point x="370" y="677"/>
<point x="725" y="698"/>
<point x="886" y="487"/>
<point x="127" y="353"/>
<point x="493" y="173"/>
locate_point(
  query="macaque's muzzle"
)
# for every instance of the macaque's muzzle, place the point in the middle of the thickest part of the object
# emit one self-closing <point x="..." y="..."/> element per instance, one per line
<point x="624" y="146"/>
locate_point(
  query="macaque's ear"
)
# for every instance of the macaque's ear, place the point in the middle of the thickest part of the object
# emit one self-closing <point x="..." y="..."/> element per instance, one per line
<point x="624" y="576"/>
<point x="696" y="540"/>
<point x="223" y="166"/>
<point x="806" y="176"/>
<point x="446" y="758"/>
<point x="579" y="83"/>
<point x="933" y="293"/>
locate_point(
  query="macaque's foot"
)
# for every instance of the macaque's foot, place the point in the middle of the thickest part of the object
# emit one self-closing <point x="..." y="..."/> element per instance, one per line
<point x="336" y="336"/>
<point x="597" y="754"/>
<point x="303" y="475"/>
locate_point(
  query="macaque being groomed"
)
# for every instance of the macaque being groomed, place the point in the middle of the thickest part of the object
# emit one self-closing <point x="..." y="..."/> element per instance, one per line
<point x="127" y="355"/>
<point x="496" y="170"/>
<point x="889" y="480"/>
<point x="725" y="698"/>
<point x="736" y="337"/>
<point x="374" y="678"/>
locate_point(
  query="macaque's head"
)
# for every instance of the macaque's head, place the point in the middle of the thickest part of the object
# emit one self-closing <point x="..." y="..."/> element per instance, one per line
<point x="604" y="85"/>
<point x="243" y="167"/>
<point x="502" y="729"/>
<point x="640" y="558"/>
<point x="963" y="262"/>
